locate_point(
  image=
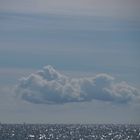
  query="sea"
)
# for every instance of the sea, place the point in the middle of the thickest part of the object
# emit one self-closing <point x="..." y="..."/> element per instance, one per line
<point x="69" y="132"/>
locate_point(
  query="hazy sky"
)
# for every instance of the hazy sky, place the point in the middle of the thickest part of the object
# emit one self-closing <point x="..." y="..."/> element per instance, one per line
<point x="81" y="39"/>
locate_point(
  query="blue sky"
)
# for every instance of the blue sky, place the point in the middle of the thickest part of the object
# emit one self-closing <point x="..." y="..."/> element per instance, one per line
<point x="78" y="38"/>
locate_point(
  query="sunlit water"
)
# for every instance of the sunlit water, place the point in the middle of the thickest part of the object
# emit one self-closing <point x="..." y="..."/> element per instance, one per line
<point x="69" y="132"/>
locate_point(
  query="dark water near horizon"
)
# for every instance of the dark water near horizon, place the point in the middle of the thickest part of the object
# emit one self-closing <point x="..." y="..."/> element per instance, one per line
<point x="69" y="132"/>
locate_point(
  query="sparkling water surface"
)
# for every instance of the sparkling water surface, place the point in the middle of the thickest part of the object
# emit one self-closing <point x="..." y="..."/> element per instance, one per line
<point x="69" y="132"/>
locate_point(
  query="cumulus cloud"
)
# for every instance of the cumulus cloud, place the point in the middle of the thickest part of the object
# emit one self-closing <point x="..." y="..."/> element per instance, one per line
<point x="48" y="86"/>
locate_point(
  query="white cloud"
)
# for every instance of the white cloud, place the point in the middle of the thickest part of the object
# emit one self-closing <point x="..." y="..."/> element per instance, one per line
<point x="48" y="86"/>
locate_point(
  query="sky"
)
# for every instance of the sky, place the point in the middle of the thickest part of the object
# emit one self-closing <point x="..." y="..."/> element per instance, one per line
<point x="69" y="61"/>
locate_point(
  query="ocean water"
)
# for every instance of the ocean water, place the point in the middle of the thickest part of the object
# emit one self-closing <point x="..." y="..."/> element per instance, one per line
<point x="69" y="132"/>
